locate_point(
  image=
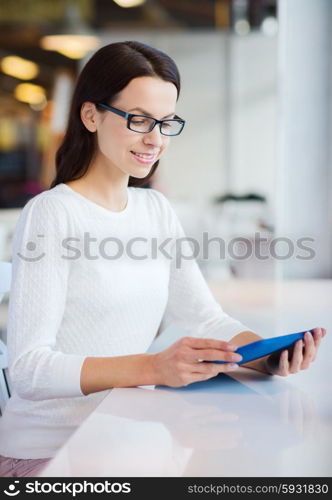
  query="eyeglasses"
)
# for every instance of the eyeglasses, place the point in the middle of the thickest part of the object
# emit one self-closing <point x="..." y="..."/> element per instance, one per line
<point x="144" y="124"/>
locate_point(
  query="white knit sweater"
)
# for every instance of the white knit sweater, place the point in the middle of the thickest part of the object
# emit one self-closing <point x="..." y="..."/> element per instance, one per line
<point x="82" y="297"/>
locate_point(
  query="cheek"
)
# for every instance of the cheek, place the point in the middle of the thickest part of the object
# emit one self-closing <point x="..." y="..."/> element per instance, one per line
<point x="114" y="142"/>
<point x="166" y="141"/>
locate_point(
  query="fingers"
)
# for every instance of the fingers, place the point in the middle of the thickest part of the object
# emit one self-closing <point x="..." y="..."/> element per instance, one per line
<point x="309" y="351"/>
<point x="213" y="368"/>
<point x="317" y="337"/>
<point x="297" y="358"/>
<point x="283" y="369"/>
<point x="194" y="349"/>
<point x="304" y="353"/>
<point x="214" y="355"/>
<point x="302" y="358"/>
<point x="205" y="371"/>
<point x="199" y="343"/>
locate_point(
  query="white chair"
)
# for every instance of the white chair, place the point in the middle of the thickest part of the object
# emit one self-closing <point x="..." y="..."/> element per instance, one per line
<point x="5" y="282"/>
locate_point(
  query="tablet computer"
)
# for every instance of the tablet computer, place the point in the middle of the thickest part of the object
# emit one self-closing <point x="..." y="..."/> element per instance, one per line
<point x="264" y="347"/>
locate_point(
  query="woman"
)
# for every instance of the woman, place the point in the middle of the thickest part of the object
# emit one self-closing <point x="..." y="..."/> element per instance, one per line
<point x="81" y="319"/>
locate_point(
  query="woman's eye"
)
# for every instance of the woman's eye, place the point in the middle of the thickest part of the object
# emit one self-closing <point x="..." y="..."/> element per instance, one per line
<point x="139" y="122"/>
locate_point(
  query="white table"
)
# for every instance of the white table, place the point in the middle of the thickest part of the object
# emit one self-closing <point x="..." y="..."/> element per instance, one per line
<point x="248" y="424"/>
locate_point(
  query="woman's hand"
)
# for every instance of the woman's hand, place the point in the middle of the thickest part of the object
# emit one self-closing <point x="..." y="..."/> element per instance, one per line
<point x="301" y="356"/>
<point x="180" y="364"/>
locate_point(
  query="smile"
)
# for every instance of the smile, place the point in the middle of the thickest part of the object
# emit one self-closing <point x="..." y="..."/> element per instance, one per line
<point x="144" y="157"/>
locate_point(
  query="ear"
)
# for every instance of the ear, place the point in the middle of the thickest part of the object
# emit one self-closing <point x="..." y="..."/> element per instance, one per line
<point x="88" y="116"/>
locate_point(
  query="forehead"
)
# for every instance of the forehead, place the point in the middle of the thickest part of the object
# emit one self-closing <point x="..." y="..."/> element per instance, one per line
<point x="149" y="93"/>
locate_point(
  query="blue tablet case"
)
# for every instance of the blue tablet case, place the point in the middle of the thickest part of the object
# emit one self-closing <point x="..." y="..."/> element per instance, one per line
<point x="263" y="347"/>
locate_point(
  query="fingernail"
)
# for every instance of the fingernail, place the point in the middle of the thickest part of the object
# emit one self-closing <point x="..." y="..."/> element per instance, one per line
<point x="308" y="336"/>
<point x="236" y="357"/>
<point x="231" y="347"/>
<point x="233" y="366"/>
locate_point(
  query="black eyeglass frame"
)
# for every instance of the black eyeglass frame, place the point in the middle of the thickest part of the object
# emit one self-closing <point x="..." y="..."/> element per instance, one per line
<point x="129" y="117"/>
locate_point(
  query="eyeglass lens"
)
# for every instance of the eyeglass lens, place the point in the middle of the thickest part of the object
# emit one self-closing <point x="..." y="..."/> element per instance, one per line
<point x="144" y="124"/>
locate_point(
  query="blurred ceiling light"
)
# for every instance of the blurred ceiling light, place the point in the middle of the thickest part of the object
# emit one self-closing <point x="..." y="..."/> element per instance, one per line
<point x="30" y="93"/>
<point x="75" y="38"/>
<point x="129" y="3"/>
<point x="8" y="134"/>
<point x="242" y="27"/>
<point x="73" y="46"/>
<point x="19" y="67"/>
<point x="38" y="106"/>
<point x="270" y="26"/>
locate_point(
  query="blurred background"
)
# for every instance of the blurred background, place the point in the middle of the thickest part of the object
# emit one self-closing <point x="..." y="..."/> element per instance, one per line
<point x="253" y="164"/>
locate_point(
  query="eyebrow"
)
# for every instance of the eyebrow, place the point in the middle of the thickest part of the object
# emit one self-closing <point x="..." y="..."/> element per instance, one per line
<point x="149" y="114"/>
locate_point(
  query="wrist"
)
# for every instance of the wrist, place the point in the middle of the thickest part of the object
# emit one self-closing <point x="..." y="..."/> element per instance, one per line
<point x="154" y="361"/>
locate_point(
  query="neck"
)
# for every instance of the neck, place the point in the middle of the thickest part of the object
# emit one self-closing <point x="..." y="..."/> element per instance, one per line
<point x="105" y="186"/>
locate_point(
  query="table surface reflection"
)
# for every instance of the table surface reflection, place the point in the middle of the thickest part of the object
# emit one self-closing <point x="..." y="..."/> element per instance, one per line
<point x="246" y="424"/>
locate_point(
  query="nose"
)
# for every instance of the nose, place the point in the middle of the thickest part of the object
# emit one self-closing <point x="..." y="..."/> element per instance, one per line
<point x="154" y="137"/>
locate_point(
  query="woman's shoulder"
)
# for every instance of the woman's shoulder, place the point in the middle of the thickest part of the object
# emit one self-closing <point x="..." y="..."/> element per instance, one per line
<point x="53" y="198"/>
<point x="45" y="213"/>
<point x="49" y="204"/>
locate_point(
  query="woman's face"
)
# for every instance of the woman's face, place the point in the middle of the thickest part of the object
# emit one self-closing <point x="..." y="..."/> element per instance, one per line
<point x="120" y="146"/>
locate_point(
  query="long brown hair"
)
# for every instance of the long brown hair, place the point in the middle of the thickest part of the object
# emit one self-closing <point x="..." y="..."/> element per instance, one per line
<point x="108" y="72"/>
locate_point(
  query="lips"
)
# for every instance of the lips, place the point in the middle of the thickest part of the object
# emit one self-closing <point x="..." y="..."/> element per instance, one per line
<point x="147" y="156"/>
<point x="144" y="158"/>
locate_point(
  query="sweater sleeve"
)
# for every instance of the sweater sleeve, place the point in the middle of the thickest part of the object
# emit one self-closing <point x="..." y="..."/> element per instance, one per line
<point x="191" y="304"/>
<point x="37" y="300"/>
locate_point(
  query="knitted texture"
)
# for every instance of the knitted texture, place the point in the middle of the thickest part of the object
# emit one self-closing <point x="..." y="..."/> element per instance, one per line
<point x="91" y="282"/>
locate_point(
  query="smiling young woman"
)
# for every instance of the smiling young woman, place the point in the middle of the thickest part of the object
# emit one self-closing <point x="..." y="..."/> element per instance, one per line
<point x="80" y="324"/>
<point x="139" y="80"/>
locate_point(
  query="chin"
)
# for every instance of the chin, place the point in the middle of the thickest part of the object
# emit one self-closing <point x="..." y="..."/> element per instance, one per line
<point x="140" y="173"/>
